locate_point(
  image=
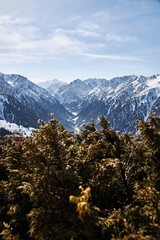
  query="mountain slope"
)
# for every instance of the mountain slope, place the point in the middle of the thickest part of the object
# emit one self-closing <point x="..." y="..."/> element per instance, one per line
<point x="72" y="94"/>
<point x="11" y="128"/>
<point x="23" y="102"/>
<point x="125" y="100"/>
<point x="122" y="100"/>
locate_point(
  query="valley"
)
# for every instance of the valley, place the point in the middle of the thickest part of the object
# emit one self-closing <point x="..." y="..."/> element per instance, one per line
<point x="122" y="100"/>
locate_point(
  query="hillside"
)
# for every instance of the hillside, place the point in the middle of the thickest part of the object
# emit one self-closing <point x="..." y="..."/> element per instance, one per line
<point x="24" y="103"/>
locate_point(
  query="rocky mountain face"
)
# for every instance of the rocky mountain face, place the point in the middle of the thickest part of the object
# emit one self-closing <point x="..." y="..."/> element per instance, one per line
<point x="74" y="93"/>
<point x="23" y="102"/>
<point x="122" y="100"/>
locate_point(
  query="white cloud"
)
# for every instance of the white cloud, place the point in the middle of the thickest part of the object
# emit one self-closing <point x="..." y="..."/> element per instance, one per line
<point x="103" y="16"/>
<point x="10" y="20"/>
<point x="14" y="31"/>
<point x="21" y="41"/>
<point x="89" y="25"/>
<point x="111" y="57"/>
<point x="120" y="38"/>
<point x="24" y="41"/>
<point x="78" y="32"/>
<point x="106" y="26"/>
<point x="86" y="33"/>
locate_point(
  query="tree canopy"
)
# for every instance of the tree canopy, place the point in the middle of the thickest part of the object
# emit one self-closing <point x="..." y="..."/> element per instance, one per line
<point x="98" y="184"/>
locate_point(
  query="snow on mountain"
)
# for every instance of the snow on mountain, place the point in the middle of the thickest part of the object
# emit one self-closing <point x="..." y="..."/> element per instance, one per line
<point x="52" y="85"/>
<point x="23" y="102"/>
<point x="122" y="102"/>
<point x="13" y="128"/>
<point x="72" y="94"/>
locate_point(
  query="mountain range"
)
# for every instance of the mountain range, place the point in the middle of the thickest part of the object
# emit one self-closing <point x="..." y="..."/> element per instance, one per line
<point x="24" y="103"/>
<point x="125" y="100"/>
<point x="122" y="100"/>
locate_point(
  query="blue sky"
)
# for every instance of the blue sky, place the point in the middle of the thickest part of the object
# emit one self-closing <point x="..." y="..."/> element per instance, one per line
<point x="70" y="39"/>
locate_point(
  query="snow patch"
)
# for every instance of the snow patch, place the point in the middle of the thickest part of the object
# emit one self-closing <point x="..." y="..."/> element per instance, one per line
<point x="11" y="83"/>
<point x="12" y="127"/>
<point x="74" y="113"/>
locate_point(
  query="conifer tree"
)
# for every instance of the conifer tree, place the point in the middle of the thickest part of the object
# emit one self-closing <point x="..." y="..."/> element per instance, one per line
<point x="119" y="174"/>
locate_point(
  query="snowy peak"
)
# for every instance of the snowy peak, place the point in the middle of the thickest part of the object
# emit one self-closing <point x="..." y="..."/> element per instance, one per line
<point x="154" y="81"/>
<point x="22" y="88"/>
<point x="23" y="102"/>
<point x="72" y="94"/>
<point x="122" y="101"/>
<point x="52" y="85"/>
<point x="114" y="82"/>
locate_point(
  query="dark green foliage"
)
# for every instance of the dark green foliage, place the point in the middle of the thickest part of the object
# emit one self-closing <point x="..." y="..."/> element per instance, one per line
<point x="120" y="175"/>
<point x="4" y="132"/>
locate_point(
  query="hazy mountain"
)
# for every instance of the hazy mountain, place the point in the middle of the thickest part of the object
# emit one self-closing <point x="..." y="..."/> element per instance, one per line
<point x="52" y="85"/>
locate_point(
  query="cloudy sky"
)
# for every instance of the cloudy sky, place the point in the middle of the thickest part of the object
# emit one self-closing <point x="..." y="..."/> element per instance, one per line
<point x="69" y="39"/>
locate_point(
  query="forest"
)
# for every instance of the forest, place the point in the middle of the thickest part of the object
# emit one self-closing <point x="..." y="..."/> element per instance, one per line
<point x="95" y="185"/>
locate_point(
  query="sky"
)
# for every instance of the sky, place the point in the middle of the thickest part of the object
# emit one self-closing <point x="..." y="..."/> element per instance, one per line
<point x="69" y="39"/>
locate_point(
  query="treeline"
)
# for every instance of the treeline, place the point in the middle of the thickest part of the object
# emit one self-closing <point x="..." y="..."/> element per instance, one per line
<point x="96" y="185"/>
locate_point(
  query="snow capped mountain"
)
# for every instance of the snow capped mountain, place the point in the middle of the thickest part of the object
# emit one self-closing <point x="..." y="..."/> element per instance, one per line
<point x="23" y="102"/>
<point x="122" y="102"/>
<point x="52" y="85"/>
<point x="72" y="94"/>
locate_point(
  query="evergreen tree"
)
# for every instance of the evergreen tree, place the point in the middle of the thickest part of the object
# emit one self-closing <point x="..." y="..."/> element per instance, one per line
<point x="118" y="175"/>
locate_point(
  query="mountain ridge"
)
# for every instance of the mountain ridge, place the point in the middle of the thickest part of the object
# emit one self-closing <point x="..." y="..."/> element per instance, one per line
<point x="23" y="102"/>
<point x="125" y="103"/>
<point x="121" y="99"/>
